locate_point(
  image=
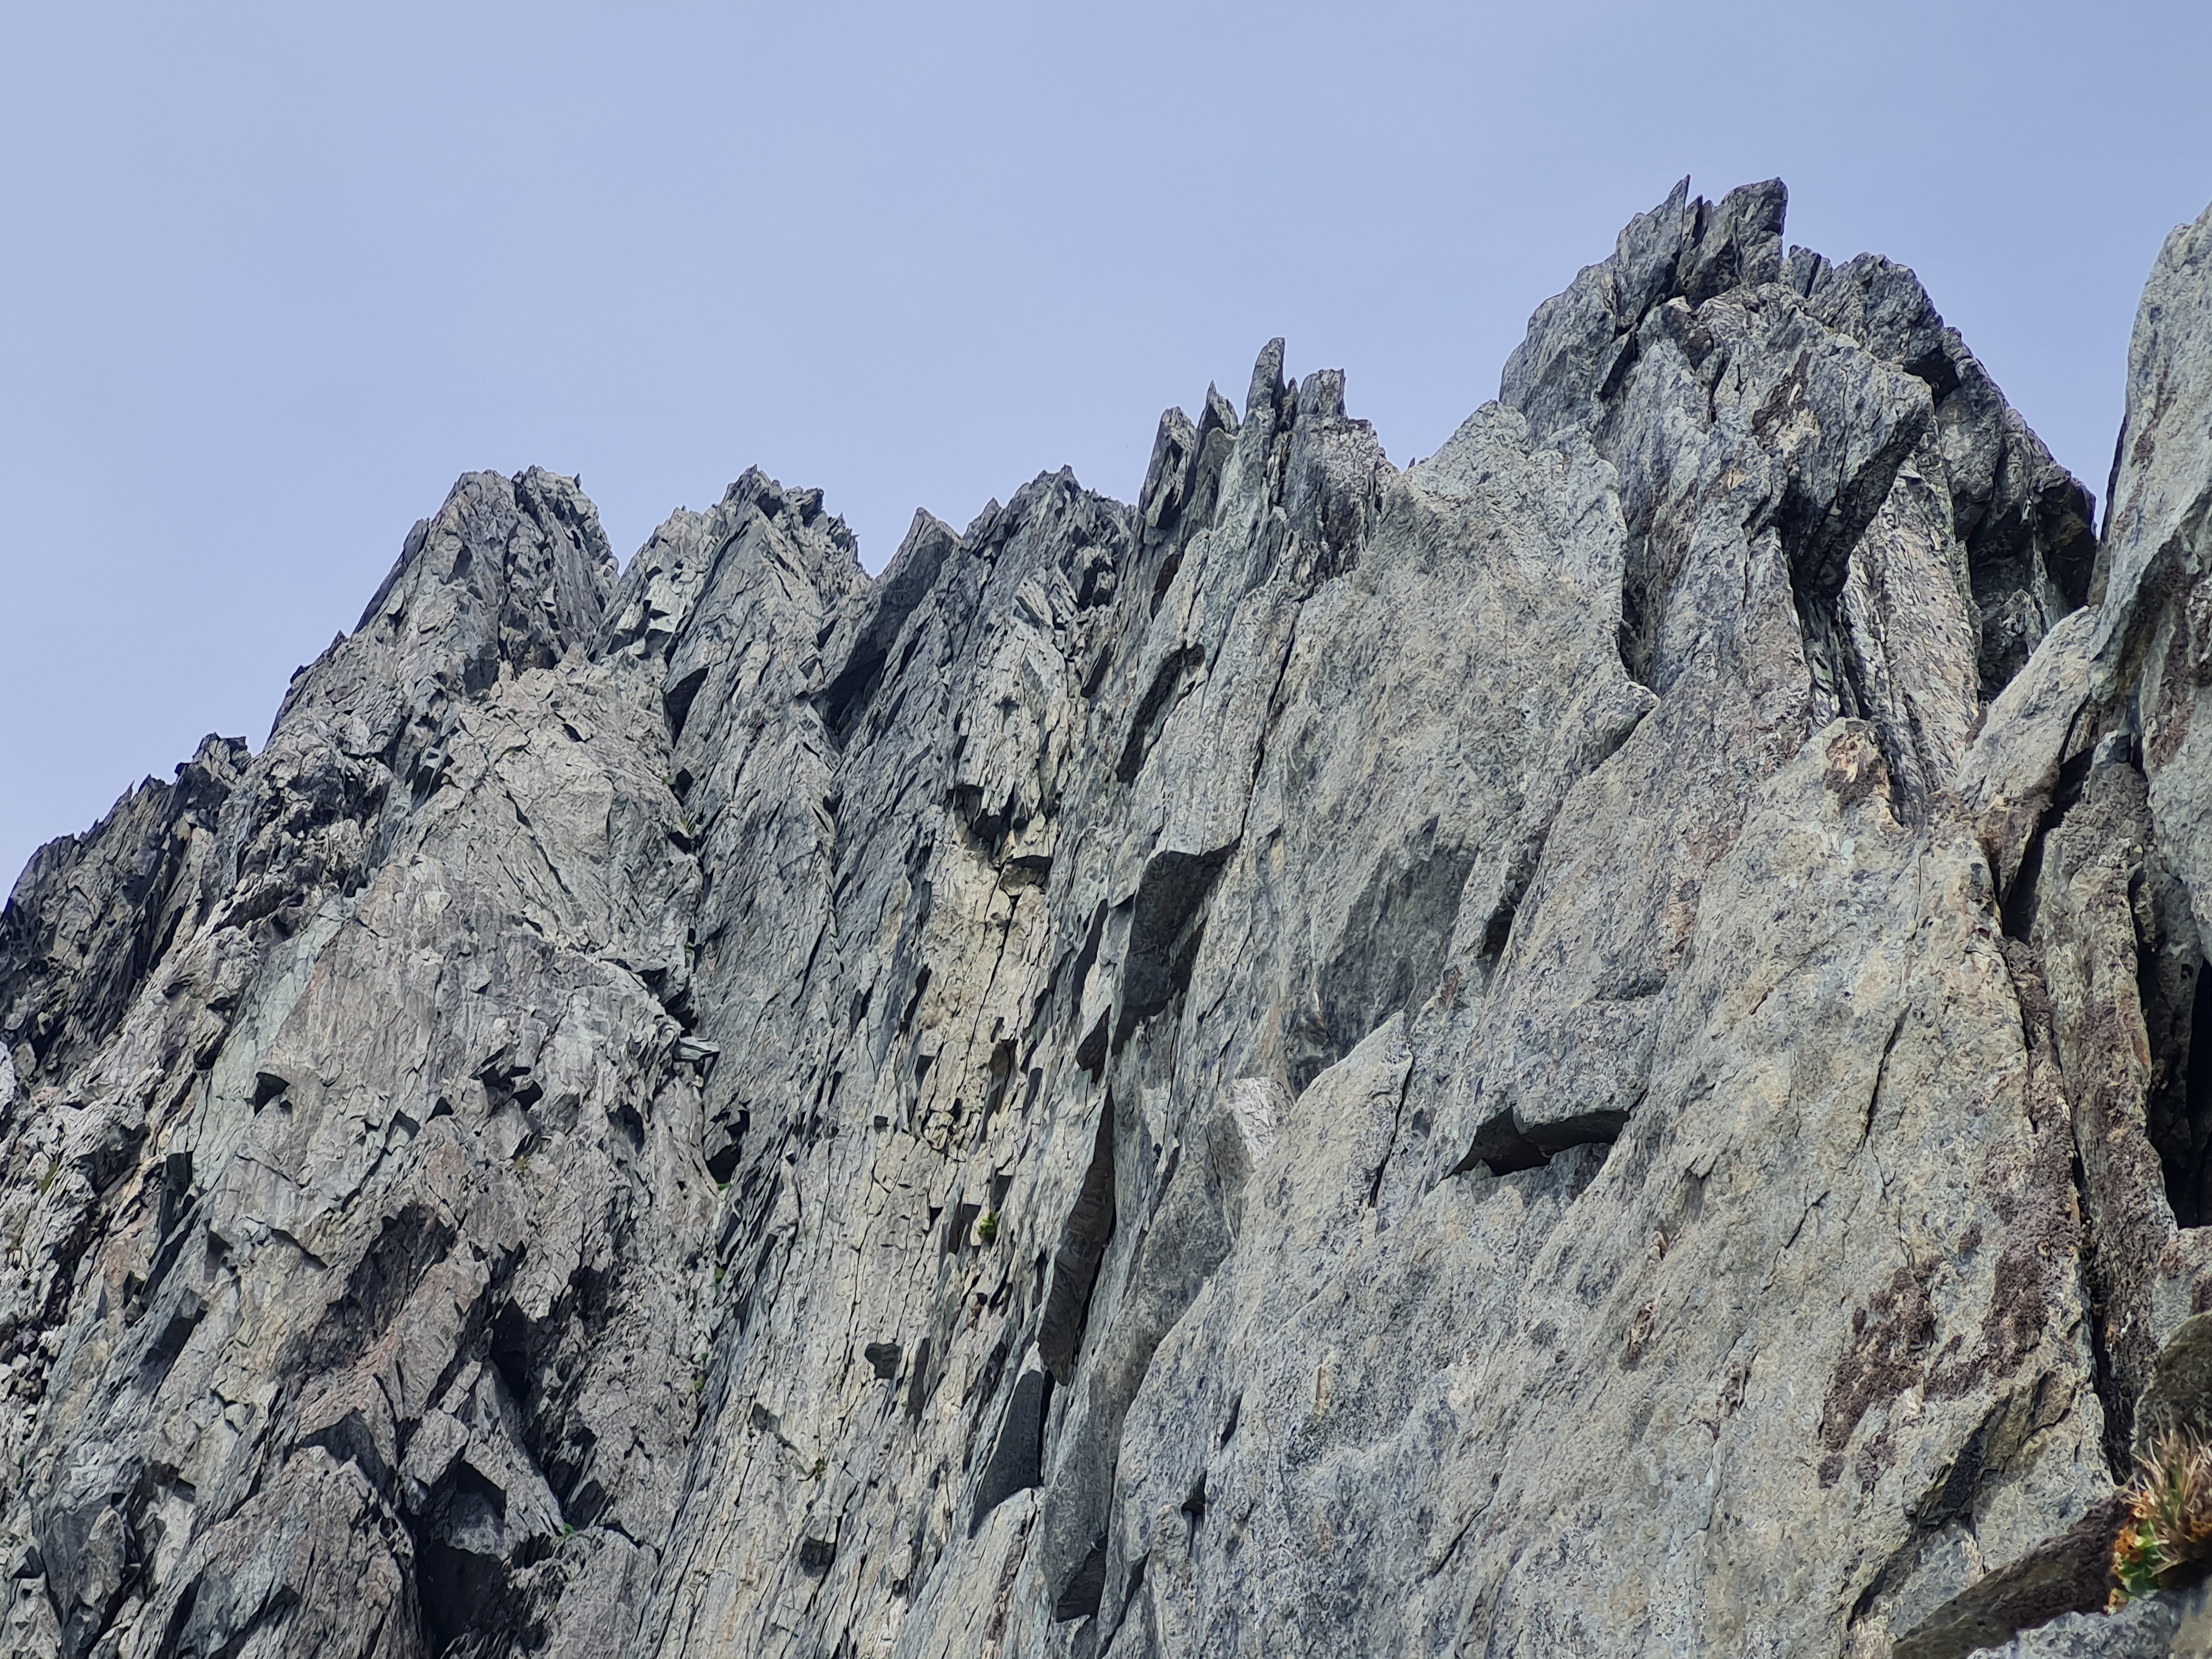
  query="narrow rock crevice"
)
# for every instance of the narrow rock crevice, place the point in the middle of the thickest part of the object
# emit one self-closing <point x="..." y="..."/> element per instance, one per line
<point x="1502" y="1147"/>
<point x="1082" y="1240"/>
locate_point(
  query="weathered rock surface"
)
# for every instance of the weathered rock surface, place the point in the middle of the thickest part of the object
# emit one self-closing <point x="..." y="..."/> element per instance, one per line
<point x="1583" y="1048"/>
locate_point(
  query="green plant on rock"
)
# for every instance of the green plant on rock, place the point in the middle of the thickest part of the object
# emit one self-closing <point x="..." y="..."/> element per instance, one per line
<point x="987" y="1228"/>
<point x="2169" y="1518"/>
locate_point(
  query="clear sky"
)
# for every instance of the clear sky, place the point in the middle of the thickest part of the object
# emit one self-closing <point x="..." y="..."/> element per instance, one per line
<point x="271" y="276"/>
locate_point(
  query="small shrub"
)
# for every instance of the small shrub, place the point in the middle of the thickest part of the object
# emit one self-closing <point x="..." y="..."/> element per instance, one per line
<point x="987" y="1228"/>
<point x="2169" y="1518"/>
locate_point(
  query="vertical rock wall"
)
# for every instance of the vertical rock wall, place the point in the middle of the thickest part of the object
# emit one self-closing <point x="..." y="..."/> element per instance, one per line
<point x="1583" y="1047"/>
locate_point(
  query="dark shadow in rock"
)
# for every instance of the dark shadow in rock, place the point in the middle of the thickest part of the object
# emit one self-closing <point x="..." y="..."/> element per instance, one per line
<point x="2023" y="897"/>
<point x="1079" y="1596"/>
<point x="1017" y="1460"/>
<point x="407" y="1245"/>
<point x="2177" y="1004"/>
<point x="1082" y="1240"/>
<point x="900" y="591"/>
<point x="1144" y="728"/>
<point x="1389" y="957"/>
<point x="1502" y="1146"/>
<point x="919" y="1383"/>
<point x="456" y="1590"/>
<point x="678" y="698"/>
<point x="1166" y="928"/>
<point x="1193" y="1510"/>
<point x="726" y="1144"/>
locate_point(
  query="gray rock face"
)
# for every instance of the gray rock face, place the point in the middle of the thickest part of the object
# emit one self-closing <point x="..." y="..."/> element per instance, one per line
<point x="1584" y="1046"/>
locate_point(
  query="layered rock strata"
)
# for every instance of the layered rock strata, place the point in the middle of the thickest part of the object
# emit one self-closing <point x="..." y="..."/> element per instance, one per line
<point x="1584" y="1046"/>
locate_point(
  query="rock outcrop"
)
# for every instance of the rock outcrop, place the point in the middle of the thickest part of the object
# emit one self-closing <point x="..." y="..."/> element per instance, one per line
<point x="1581" y="1047"/>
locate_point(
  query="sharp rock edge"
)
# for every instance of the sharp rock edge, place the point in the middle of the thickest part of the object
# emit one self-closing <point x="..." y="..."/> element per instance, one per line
<point x="1581" y="1047"/>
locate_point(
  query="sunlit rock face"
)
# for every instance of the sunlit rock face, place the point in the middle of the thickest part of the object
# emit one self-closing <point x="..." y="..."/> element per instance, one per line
<point x="1582" y="1046"/>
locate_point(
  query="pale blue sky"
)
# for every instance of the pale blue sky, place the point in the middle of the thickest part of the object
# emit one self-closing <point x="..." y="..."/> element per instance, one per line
<point x="271" y="276"/>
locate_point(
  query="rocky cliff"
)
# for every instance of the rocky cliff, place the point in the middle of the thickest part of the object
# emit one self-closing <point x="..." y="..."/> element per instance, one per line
<point x="1584" y="1046"/>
